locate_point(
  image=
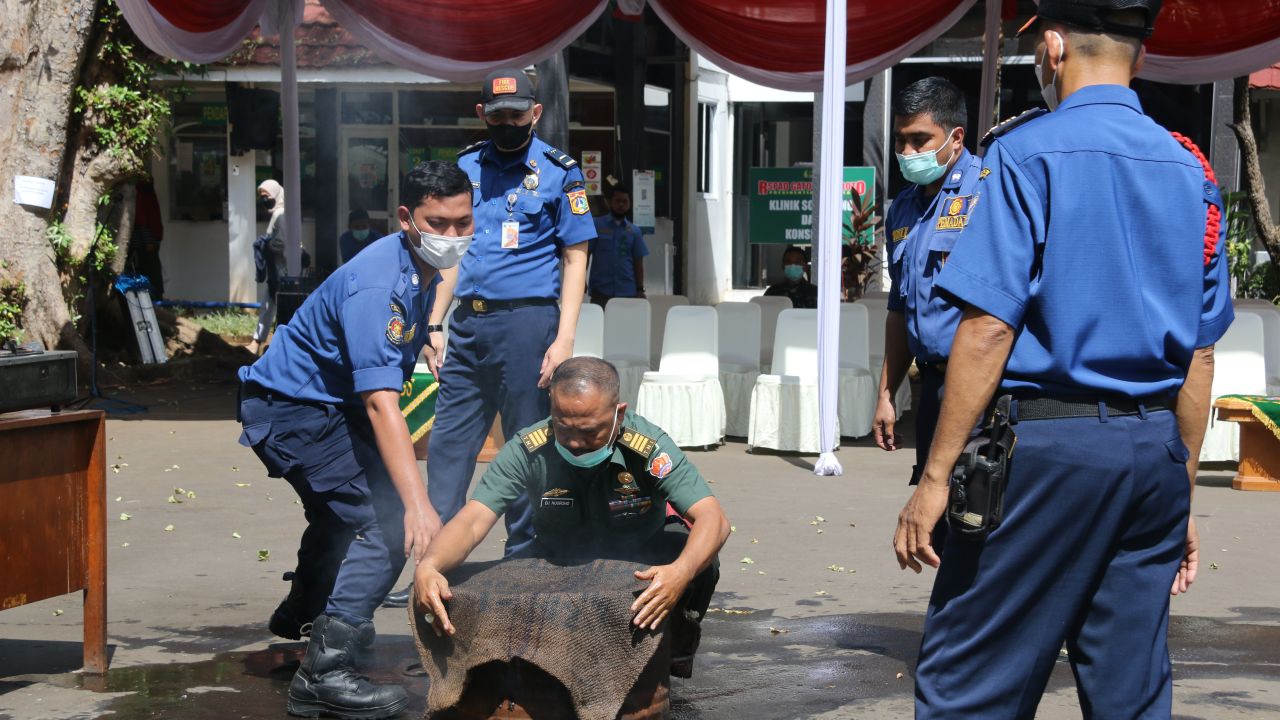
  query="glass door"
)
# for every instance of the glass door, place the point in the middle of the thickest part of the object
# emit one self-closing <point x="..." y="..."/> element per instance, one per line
<point x="370" y="180"/>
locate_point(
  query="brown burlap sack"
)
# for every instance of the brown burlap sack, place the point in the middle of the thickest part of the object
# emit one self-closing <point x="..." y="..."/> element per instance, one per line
<point x="571" y="620"/>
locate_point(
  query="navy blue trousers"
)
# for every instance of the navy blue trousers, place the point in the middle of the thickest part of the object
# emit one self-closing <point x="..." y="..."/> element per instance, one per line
<point x="493" y="364"/>
<point x="355" y="520"/>
<point x="927" y="408"/>
<point x="1094" y="530"/>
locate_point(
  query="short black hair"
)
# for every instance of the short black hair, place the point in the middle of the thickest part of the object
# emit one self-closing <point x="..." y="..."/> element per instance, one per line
<point x="937" y="96"/>
<point x="433" y="178"/>
<point x="793" y="249"/>
<point x="357" y="214"/>
<point x="580" y="374"/>
<point x="620" y="188"/>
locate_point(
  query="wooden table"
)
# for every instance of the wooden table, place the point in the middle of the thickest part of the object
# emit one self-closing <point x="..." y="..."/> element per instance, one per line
<point x="53" y="531"/>
<point x="1259" y="447"/>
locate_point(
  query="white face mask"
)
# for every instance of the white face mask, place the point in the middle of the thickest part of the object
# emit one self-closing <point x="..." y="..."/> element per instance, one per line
<point x="439" y="251"/>
<point x="1049" y="89"/>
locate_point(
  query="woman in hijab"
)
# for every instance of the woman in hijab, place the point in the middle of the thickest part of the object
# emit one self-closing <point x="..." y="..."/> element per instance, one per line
<point x="269" y="257"/>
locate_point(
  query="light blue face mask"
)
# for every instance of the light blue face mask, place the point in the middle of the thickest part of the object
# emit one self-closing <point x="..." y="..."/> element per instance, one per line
<point x="793" y="272"/>
<point x="595" y="457"/>
<point x="923" y="168"/>
<point x="360" y="235"/>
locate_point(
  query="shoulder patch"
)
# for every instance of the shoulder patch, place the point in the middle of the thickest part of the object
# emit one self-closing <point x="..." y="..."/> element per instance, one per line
<point x="560" y="158"/>
<point x="536" y="438"/>
<point x="1012" y="124"/>
<point x="472" y="148"/>
<point x="637" y="442"/>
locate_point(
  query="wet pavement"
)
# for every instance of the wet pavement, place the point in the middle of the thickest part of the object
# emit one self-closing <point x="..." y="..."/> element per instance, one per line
<point x="812" y="617"/>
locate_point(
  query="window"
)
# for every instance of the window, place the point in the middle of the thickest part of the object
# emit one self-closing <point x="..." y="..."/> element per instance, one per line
<point x="706" y="137"/>
<point x="198" y="161"/>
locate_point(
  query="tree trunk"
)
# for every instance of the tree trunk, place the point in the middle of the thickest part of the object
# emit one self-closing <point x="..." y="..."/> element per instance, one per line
<point x="1254" y="183"/>
<point x="43" y="45"/>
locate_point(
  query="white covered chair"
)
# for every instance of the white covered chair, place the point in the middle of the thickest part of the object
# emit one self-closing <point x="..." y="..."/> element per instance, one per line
<point x="739" y="361"/>
<point x="856" y="406"/>
<point x="684" y="396"/>
<point x="626" y="343"/>
<point x="877" y="305"/>
<point x="1270" y="338"/>
<point x="770" y="307"/>
<point x="1239" y="361"/>
<point x="784" y="404"/>
<point x="659" y="305"/>
<point x="589" y="340"/>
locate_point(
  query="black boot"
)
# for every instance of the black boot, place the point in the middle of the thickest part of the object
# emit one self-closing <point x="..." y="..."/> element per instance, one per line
<point x="285" y="623"/>
<point x="398" y="599"/>
<point x="327" y="684"/>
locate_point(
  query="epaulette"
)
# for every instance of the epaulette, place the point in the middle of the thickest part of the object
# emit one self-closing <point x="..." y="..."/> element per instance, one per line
<point x="637" y="442"/>
<point x="535" y="437"/>
<point x="560" y="158"/>
<point x="472" y="148"/>
<point x="1012" y="123"/>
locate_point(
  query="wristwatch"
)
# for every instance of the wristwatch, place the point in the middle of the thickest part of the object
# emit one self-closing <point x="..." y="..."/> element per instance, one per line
<point x="435" y="328"/>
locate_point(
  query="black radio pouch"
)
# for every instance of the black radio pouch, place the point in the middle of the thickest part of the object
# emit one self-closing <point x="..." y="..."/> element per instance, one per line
<point x="976" y="503"/>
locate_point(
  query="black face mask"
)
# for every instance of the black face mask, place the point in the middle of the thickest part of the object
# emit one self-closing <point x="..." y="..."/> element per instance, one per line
<point x="267" y="203"/>
<point x="509" y="138"/>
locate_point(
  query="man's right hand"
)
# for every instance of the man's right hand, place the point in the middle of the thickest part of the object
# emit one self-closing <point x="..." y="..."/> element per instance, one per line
<point x="420" y="526"/>
<point x="885" y="419"/>
<point x="434" y="353"/>
<point x="431" y="589"/>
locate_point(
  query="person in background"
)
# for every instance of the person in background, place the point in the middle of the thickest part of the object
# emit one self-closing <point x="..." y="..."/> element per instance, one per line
<point x="148" y="233"/>
<point x="356" y="238"/>
<point x="796" y="285"/>
<point x="617" y="253"/>
<point x="268" y="256"/>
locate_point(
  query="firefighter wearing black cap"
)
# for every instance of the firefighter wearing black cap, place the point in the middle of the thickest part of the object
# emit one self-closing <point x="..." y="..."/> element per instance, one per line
<point x="518" y="311"/>
<point x="1093" y="282"/>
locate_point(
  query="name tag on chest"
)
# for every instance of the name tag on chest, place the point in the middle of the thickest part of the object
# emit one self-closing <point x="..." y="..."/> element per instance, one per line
<point x="510" y="235"/>
<point x="557" y="502"/>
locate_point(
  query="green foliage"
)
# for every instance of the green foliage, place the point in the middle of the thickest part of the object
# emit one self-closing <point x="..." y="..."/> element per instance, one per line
<point x="127" y="114"/>
<point x="60" y="239"/>
<point x="1252" y="281"/>
<point x="13" y="298"/>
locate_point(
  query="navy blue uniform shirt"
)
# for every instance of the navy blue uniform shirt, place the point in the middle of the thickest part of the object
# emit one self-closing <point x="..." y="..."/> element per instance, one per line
<point x="616" y="247"/>
<point x="360" y="331"/>
<point x="547" y="204"/>
<point x="921" y="234"/>
<point x="1088" y="239"/>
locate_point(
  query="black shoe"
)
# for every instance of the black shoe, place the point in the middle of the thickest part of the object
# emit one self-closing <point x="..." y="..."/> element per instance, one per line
<point x="327" y="684"/>
<point x="398" y="599"/>
<point x="284" y="624"/>
<point x="682" y="666"/>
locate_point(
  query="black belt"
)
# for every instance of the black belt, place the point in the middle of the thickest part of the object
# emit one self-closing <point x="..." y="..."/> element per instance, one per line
<point x="939" y="367"/>
<point x="1052" y="408"/>
<point x="480" y="306"/>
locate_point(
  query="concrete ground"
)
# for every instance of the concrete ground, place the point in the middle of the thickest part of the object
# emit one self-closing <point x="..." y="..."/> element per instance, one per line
<point x="812" y="618"/>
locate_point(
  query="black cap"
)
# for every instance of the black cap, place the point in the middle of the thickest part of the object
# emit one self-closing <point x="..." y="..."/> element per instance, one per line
<point x="1096" y="15"/>
<point x="506" y="89"/>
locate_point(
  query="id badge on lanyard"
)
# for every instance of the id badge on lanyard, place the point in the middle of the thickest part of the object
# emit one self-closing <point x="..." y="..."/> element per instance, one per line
<point x="510" y="228"/>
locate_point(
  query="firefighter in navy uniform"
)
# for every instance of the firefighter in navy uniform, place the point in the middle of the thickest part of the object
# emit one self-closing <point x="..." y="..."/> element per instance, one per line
<point x="1089" y="318"/>
<point x="321" y="409"/>
<point x="516" y="316"/>
<point x="600" y="478"/>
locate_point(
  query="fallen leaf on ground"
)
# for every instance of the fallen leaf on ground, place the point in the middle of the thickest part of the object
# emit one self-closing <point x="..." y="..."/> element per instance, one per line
<point x="733" y="528"/>
<point x="125" y="516"/>
<point x="822" y="593"/>
<point x="243" y="484"/>
<point x="119" y="498"/>
<point x="124" y="544"/>
<point x="778" y="631"/>
<point x="747" y="561"/>
<point x="235" y="469"/>
<point x="1213" y="566"/>
<point x="168" y="528"/>
<point x="755" y="541"/>
<point x="819" y="518"/>
<point x="738" y="612"/>
<point x="819" y="531"/>
<point x="174" y="500"/>
<point x="899" y="676"/>
<point x="57" y="612"/>
<point x="759" y="572"/>
<point x="263" y="555"/>
<point x="235" y="535"/>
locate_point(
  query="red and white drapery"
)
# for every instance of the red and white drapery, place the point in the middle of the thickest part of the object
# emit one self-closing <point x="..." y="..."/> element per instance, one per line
<point x="1200" y="41"/>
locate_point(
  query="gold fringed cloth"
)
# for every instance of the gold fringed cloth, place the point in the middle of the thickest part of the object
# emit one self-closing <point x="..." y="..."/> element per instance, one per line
<point x="1265" y="409"/>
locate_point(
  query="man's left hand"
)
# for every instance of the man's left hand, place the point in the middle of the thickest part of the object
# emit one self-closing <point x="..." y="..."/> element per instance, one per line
<point x="667" y="584"/>
<point x="1190" y="561"/>
<point x="556" y="354"/>
<point x="434" y="353"/>
<point x="913" y="541"/>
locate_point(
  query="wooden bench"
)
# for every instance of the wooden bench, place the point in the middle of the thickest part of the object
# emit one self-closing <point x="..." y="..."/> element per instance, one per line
<point x="1259" y="447"/>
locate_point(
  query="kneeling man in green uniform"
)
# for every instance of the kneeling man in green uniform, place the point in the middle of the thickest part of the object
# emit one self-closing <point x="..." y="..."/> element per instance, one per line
<point x="599" y="479"/>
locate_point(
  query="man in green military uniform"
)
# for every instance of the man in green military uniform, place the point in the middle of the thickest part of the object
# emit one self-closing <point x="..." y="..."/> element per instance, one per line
<point x="599" y="479"/>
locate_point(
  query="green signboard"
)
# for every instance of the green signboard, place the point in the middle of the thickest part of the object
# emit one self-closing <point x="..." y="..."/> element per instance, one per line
<point x="782" y="203"/>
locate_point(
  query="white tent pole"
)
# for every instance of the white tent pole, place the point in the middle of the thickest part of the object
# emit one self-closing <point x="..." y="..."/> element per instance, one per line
<point x="289" y="107"/>
<point x="990" y="68"/>
<point x="830" y="173"/>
